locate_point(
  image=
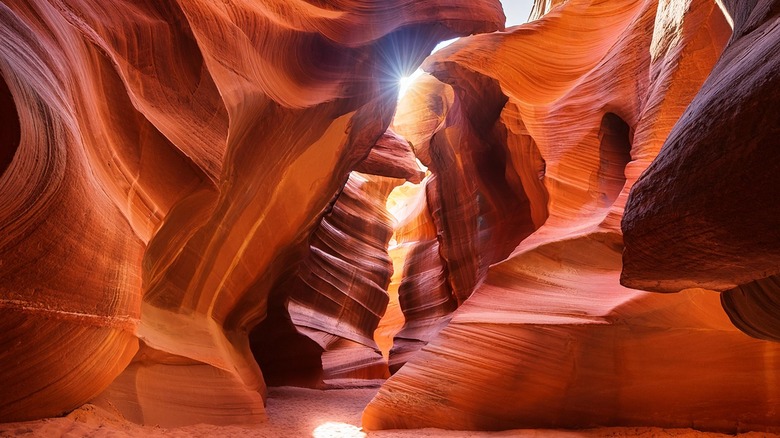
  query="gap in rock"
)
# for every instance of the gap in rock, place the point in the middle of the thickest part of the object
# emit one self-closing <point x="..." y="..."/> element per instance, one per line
<point x="286" y="357"/>
<point x="401" y="204"/>
<point x="614" y="156"/>
<point x="406" y="200"/>
<point x="292" y="344"/>
<point x="323" y="312"/>
<point x="11" y="134"/>
<point x="303" y="335"/>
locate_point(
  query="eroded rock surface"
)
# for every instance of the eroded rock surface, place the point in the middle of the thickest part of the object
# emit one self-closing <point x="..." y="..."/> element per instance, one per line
<point x="201" y="198"/>
<point x="705" y="213"/>
<point x="549" y="337"/>
<point x="173" y="158"/>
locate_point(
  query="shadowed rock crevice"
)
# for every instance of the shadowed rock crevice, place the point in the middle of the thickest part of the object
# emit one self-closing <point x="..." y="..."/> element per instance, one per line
<point x="755" y="307"/>
<point x="425" y="314"/>
<point x="338" y="292"/>
<point x="614" y="155"/>
<point x="285" y="356"/>
<point x="474" y="199"/>
<point x="11" y="133"/>
<point x="335" y="296"/>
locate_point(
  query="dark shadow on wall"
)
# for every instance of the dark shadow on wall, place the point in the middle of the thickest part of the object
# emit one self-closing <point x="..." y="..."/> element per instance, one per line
<point x="10" y="129"/>
<point x="286" y="357"/>
<point x="614" y="155"/>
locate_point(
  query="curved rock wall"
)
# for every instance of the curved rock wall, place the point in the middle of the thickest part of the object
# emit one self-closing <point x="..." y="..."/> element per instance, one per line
<point x="705" y="213"/>
<point x="189" y="188"/>
<point x="550" y="338"/>
<point x="174" y="158"/>
<point x="338" y="294"/>
<point x="474" y="200"/>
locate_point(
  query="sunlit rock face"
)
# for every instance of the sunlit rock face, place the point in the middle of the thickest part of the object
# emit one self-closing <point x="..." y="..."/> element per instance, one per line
<point x="323" y="314"/>
<point x="163" y="165"/>
<point x="705" y="213"/>
<point x="578" y="103"/>
<point x="475" y="205"/>
<point x="338" y="294"/>
<point x="197" y="199"/>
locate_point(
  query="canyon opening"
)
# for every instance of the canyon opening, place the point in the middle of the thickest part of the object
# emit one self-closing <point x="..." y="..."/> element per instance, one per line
<point x="348" y="218"/>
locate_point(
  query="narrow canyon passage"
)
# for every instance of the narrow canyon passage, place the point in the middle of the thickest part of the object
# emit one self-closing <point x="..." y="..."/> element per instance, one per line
<point x="222" y="219"/>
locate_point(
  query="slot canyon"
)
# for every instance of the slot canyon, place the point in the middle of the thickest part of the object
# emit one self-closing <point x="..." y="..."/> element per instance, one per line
<point x="396" y="218"/>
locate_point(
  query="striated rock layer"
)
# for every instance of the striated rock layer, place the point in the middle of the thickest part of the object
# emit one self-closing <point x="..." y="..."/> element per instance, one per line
<point x="705" y="213"/>
<point x="194" y="203"/>
<point x="475" y="206"/>
<point x="337" y="295"/>
<point x="587" y="95"/>
<point x="170" y="161"/>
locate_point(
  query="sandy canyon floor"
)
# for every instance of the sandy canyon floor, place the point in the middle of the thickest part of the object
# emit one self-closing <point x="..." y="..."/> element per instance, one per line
<point x="298" y="412"/>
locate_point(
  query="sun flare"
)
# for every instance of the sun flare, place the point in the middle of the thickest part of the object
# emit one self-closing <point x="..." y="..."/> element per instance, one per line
<point x="406" y="81"/>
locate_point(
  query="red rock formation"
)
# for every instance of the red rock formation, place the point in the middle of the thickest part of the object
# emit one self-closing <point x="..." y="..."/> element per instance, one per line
<point x="423" y="295"/>
<point x="392" y="157"/>
<point x="705" y="212"/>
<point x="180" y="200"/>
<point x="424" y="298"/>
<point x="398" y="333"/>
<point x="476" y="203"/>
<point x="174" y="158"/>
<point x="337" y="295"/>
<point x="549" y="338"/>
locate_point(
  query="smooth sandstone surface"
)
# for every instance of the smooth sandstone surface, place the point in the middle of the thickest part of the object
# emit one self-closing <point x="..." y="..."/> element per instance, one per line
<point x="199" y="200"/>
<point x="169" y="162"/>
<point x="704" y="214"/>
<point x="549" y="337"/>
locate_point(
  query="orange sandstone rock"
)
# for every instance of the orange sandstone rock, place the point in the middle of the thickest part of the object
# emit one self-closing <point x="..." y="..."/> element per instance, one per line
<point x="169" y="163"/>
<point x="338" y="293"/>
<point x="549" y="337"/>
<point x="705" y="212"/>
<point x="392" y="157"/>
<point x="475" y="201"/>
<point x="323" y="315"/>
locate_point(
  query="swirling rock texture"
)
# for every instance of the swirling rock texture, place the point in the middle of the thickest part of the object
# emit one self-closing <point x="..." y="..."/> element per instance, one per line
<point x="164" y="165"/>
<point x="705" y="213"/>
<point x="579" y="103"/>
<point x="475" y="211"/>
<point x="338" y="294"/>
<point x="194" y="201"/>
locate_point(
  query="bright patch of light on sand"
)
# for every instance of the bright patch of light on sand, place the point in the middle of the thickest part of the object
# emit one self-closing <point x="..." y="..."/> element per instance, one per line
<point x="406" y="82"/>
<point x="333" y="429"/>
